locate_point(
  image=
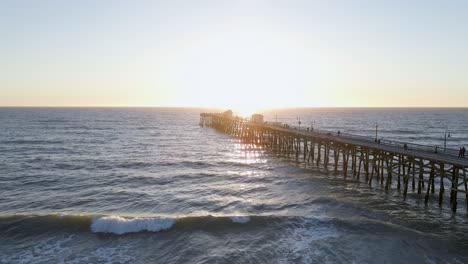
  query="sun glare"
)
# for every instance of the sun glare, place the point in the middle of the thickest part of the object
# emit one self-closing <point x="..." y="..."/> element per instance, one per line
<point x="247" y="70"/>
<point x="245" y="111"/>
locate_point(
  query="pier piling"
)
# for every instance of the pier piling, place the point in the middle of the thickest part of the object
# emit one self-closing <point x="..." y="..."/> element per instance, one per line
<point x="355" y="155"/>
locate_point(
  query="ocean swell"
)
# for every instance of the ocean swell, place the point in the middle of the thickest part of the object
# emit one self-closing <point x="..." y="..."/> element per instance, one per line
<point x="119" y="225"/>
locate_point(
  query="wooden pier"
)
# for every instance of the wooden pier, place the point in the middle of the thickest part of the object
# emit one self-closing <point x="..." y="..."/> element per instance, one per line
<point x="405" y="167"/>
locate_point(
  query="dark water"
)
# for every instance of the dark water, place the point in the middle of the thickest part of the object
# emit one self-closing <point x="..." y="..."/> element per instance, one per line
<point x="150" y="185"/>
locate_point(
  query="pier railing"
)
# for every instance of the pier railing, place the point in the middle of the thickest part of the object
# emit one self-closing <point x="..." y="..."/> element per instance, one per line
<point x="435" y="149"/>
<point x="385" y="142"/>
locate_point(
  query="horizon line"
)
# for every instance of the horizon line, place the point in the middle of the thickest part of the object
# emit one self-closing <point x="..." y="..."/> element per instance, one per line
<point x="217" y="107"/>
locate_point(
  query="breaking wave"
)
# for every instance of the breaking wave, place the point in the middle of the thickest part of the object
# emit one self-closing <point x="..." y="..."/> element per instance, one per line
<point x="120" y="225"/>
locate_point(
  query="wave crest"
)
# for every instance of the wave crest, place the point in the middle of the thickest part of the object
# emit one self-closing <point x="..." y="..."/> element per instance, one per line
<point x="120" y="225"/>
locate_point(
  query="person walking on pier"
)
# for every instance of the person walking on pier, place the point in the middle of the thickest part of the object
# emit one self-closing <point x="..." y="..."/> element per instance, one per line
<point x="460" y="152"/>
<point x="463" y="152"/>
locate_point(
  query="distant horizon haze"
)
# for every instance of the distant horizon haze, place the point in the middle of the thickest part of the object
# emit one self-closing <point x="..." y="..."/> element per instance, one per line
<point x="241" y="112"/>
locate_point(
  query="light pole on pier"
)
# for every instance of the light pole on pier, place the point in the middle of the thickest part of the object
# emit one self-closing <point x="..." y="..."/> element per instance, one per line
<point x="376" y="129"/>
<point x="446" y="136"/>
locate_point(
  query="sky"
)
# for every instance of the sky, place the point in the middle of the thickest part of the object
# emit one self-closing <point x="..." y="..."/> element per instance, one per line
<point x="241" y="54"/>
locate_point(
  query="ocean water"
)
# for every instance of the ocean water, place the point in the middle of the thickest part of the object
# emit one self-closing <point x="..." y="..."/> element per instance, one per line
<point x="149" y="185"/>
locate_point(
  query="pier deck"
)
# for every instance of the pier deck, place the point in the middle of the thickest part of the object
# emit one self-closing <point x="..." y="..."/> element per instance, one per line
<point x="440" y="157"/>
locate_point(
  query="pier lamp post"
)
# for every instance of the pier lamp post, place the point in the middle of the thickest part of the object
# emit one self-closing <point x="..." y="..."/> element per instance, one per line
<point x="376" y="129"/>
<point x="446" y="136"/>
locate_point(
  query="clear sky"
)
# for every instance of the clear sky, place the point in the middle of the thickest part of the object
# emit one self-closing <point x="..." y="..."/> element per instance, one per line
<point x="247" y="54"/>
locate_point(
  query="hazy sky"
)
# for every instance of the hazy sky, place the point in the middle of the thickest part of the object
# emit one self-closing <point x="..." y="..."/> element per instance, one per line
<point x="242" y="54"/>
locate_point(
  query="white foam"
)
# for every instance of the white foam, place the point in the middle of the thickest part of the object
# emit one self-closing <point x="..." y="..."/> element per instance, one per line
<point x="44" y="252"/>
<point x="119" y="254"/>
<point x="240" y="219"/>
<point x="120" y="225"/>
<point x="303" y="241"/>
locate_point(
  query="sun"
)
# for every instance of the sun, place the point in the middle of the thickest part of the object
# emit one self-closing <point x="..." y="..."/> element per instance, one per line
<point x="245" y="111"/>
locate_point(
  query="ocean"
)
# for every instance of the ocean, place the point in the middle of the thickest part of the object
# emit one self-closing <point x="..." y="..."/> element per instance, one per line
<point x="149" y="185"/>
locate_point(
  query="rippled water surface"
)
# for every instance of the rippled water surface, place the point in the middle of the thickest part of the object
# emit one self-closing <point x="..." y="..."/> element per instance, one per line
<point x="150" y="185"/>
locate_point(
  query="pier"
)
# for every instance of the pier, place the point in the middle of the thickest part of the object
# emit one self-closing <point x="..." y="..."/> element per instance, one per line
<point x="425" y="170"/>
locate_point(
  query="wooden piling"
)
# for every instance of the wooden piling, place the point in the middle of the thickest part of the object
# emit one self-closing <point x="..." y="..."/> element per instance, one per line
<point x="376" y="160"/>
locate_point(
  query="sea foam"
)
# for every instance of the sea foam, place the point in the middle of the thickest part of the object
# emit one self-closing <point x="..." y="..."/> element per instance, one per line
<point x="120" y="225"/>
<point x="240" y="219"/>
